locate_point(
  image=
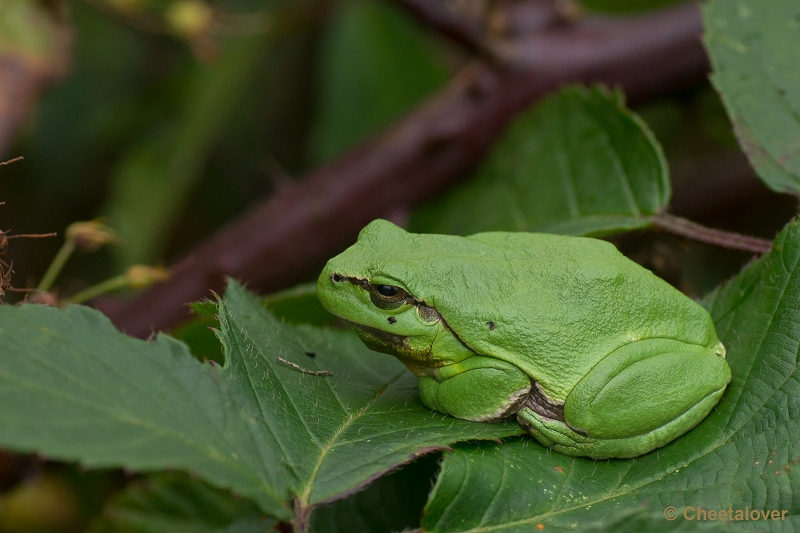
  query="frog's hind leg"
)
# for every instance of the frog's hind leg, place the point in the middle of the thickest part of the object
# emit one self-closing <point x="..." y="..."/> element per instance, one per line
<point x="638" y="398"/>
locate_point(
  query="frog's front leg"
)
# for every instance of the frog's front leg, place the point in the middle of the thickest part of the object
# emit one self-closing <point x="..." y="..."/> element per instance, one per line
<point x="636" y="399"/>
<point x="481" y="389"/>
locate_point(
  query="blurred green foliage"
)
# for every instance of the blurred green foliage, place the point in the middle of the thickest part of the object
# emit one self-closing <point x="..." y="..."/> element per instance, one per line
<point x="25" y="29"/>
<point x="168" y="146"/>
<point x="754" y="55"/>
<point x="374" y="64"/>
<point x="169" y="136"/>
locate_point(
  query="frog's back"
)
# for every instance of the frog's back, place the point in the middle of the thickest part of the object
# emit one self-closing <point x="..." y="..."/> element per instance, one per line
<point x="553" y="305"/>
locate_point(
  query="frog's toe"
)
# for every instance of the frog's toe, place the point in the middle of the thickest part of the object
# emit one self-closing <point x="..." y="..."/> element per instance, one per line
<point x="550" y="433"/>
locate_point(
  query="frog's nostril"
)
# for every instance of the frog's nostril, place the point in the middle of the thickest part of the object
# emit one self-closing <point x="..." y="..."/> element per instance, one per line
<point x="336" y="278"/>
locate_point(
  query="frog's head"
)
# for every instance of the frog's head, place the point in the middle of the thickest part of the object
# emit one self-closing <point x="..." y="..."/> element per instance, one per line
<point x="367" y="285"/>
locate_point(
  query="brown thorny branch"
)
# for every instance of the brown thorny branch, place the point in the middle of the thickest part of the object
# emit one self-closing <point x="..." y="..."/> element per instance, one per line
<point x="287" y="237"/>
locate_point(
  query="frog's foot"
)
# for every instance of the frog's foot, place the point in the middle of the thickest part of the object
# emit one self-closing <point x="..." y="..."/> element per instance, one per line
<point x="481" y="389"/>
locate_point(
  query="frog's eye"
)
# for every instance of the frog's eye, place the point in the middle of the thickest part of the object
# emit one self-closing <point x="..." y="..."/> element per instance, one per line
<point x="387" y="296"/>
<point x="387" y="290"/>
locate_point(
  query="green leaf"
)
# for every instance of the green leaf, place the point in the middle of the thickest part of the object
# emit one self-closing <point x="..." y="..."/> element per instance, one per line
<point x="577" y="163"/>
<point x="744" y="455"/>
<point x="199" y="335"/>
<point x="392" y="503"/>
<point x="73" y="388"/>
<point x="299" y="305"/>
<point x="176" y="503"/>
<point x="754" y="55"/>
<point x="375" y="63"/>
<point x="337" y="433"/>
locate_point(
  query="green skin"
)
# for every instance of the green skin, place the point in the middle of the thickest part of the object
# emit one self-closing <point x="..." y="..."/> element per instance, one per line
<point x="595" y="355"/>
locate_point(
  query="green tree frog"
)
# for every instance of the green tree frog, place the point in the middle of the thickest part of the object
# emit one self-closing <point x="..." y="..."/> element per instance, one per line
<point x="595" y="355"/>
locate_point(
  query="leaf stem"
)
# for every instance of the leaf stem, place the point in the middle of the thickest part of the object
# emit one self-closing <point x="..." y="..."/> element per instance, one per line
<point x="56" y="266"/>
<point x="302" y="514"/>
<point x="725" y="239"/>
<point x="112" y="284"/>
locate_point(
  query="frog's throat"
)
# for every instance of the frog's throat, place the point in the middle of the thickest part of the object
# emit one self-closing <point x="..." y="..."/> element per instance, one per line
<point x="419" y="360"/>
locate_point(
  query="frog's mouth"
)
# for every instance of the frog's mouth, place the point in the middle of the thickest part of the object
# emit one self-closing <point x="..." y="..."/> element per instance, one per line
<point x="419" y="361"/>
